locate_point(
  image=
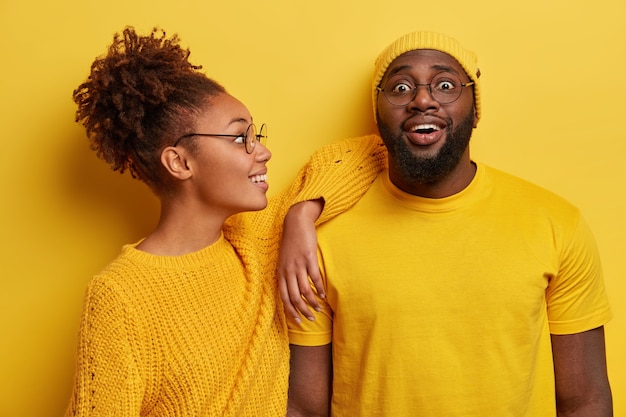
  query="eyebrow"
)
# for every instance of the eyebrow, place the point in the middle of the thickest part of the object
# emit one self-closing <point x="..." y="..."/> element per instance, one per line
<point x="240" y="119"/>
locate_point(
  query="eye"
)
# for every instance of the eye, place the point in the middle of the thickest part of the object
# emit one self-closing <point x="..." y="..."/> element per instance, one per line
<point x="401" y="88"/>
<point x="240" y="138"/>
<point x="445" y="83"/>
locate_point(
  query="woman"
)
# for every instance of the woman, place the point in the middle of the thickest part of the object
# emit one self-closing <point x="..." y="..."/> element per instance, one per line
<point x="187" y="321"/>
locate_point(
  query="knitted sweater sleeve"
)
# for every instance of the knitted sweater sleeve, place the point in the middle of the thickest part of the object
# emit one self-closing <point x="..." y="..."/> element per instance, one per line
<point x="107" y="381"/>
<point x="339" y="173"/>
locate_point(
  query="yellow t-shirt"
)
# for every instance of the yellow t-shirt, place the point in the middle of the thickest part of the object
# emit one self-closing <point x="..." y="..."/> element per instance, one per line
<point x="444" y="307"/>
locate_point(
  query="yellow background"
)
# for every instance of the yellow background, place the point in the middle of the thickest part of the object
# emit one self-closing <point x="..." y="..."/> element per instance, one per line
<point x="554" y="85"/>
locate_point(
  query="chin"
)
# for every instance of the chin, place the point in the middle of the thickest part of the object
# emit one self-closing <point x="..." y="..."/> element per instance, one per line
<point x="259" y="206"/>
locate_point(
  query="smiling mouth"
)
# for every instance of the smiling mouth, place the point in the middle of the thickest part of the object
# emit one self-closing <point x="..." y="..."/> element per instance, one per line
<point x="256" y="179"/>
<point x="425" y="129"/>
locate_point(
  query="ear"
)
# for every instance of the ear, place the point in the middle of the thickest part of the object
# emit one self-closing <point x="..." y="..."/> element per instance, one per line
<point x="175" y="162"/>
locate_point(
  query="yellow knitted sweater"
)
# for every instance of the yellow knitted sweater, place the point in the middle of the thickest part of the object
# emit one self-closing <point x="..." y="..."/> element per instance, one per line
<point x="204" y="334"/>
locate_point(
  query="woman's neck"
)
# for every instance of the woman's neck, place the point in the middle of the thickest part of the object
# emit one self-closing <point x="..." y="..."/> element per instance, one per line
<point x="182" y="229"/>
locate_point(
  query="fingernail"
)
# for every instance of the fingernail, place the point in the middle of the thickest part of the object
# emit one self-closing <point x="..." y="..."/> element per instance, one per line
<point x="297" y="320"/>
<point x="318" y="309"/>
<point x="311" y="318"/>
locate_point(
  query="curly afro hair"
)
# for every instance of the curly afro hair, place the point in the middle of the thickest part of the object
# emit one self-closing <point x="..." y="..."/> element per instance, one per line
<point x="138" y="98"/>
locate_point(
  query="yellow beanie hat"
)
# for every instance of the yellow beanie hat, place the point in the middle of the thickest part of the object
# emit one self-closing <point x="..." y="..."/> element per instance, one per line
<point x="427" y="40"/>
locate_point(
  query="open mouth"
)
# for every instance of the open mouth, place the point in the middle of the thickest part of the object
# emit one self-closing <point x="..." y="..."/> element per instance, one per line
<point x="258" y="178"/>
<point x="424" y="134"/>
<point x="425" y="129"/>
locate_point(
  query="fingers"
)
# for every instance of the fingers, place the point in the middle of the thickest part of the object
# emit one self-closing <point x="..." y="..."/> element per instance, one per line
<point x="314" y="273"/>
<point x="307" y="294"/>
<point x="293" y="301"/>
<point x="297" y="261"/>
<point x="290" y="309"/>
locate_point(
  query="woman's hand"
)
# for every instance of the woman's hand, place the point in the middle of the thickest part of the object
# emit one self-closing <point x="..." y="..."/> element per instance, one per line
<point x="297" y="261"/>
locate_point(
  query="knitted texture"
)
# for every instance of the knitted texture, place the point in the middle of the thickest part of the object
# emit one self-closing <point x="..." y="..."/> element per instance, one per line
<point x="204" y="334"/>
<point x="427" y="40"/>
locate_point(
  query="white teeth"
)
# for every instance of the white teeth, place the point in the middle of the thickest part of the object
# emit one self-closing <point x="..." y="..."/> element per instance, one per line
<point x="258" y="178"/>
<point x="425" y="127"/>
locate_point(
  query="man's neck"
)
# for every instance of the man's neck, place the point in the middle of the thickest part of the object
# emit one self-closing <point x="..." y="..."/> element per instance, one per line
<point x="453" y="183"/>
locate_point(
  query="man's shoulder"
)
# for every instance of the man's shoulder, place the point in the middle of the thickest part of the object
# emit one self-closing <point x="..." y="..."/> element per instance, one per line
<point x="521" y="190"/>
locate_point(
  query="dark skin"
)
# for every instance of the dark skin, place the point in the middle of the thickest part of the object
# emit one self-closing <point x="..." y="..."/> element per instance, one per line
<point x="397" y="123"/>
<point x="581" y="382"/>
<point x="310" y="381"/>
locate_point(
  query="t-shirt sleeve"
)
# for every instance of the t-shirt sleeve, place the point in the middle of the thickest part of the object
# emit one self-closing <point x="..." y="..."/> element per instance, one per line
<point x="576" y="296"/>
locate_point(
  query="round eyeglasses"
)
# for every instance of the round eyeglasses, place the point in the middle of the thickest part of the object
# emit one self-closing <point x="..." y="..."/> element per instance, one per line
<point x="445" y="88"/>
<point x="249" y="139"/>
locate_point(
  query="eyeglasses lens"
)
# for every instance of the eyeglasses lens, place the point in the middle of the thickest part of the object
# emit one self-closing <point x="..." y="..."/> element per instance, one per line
<point x="262" y="136"/>
<point x="444" y="87"/>
<point x="251" y="138"/>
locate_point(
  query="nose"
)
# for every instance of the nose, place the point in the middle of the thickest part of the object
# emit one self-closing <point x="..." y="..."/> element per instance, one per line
<point x="423" y="99"/>
<point x="262" y="153"/>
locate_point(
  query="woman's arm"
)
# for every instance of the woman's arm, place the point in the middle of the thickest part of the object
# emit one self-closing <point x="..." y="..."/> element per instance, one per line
<point x="298" y="260"/>
<point x="107" y="375"/>
<point x="339" y="175"/>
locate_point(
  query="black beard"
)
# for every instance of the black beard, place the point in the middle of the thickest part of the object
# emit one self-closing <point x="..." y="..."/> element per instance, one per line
<point x="415" y="169"/>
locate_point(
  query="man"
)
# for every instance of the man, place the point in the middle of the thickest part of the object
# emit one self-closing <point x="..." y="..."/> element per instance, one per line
<point x="452" y="289"/>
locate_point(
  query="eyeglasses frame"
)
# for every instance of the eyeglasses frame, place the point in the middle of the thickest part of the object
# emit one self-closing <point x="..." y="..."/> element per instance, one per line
<point x="430" y="90"/>
<point x="257" y="137"/>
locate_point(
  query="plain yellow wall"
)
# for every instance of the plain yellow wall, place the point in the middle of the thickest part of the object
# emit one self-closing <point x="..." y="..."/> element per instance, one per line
<point x="554" y="86"/>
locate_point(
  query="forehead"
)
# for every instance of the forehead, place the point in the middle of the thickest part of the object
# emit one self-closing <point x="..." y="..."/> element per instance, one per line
<point x="424" y="61"/>
<point x="222" y="111"/>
